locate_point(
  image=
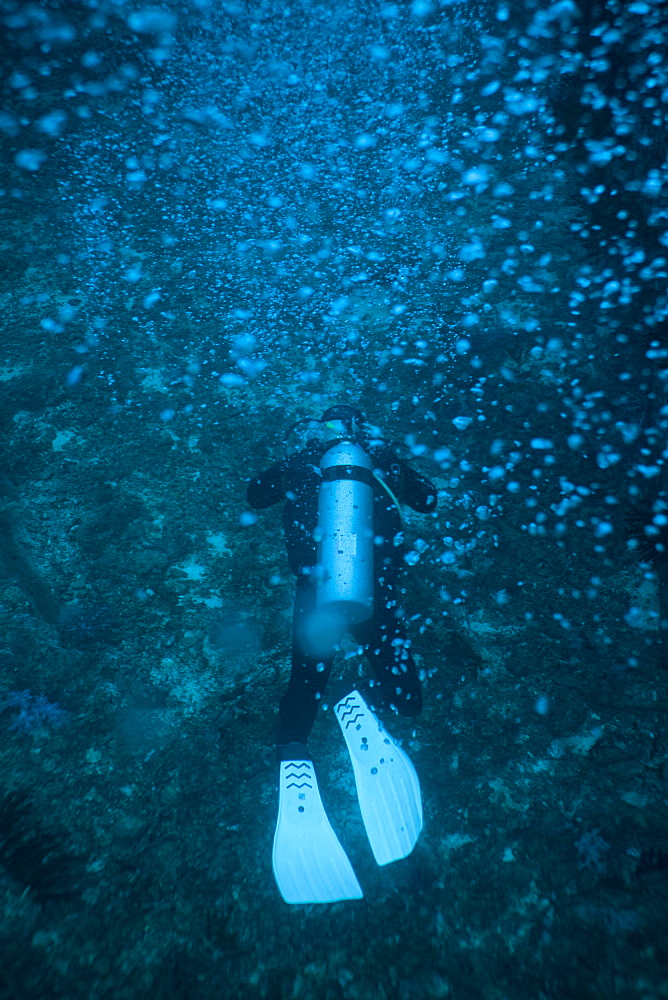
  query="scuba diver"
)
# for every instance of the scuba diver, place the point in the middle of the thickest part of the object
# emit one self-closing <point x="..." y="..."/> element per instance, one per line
<point x="343" y="529"/>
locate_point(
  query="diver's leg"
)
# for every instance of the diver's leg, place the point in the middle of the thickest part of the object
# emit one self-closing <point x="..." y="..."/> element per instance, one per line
<point x="309" y="863"/>
<point x="388" y="788"/>
<point x="387" y="648"/>
<point x="308" y="678"/>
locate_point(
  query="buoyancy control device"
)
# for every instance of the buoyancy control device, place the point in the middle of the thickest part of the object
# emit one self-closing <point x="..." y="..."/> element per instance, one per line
<point x="345" y="533"/>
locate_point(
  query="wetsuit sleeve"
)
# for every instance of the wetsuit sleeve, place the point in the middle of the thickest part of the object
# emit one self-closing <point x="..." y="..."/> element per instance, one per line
<point x="417" y="491"/>
<point x="409" y="486"/>
<point x="268" y="488"/>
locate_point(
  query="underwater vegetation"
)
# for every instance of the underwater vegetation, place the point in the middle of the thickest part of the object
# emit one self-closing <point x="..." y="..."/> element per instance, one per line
<point x="29" y="712"/>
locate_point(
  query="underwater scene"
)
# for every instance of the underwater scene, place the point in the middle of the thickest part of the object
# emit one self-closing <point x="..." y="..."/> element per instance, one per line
<point x="334" y="500"/>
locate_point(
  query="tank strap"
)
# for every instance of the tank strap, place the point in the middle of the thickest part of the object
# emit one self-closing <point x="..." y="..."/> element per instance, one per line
<point x="361" y="475"/>
<point x="355" y="472"/>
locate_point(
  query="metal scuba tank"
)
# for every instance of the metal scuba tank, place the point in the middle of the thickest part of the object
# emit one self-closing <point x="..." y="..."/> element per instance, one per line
<point x="345" y="533"/>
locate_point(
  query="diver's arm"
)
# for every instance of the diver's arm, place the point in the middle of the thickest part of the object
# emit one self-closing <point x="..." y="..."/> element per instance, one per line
<point x="267" y="488"/>
<point x="417" y="491"/>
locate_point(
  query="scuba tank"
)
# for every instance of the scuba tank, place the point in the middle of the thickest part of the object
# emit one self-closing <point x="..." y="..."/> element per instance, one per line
<point x="345" y="533"/>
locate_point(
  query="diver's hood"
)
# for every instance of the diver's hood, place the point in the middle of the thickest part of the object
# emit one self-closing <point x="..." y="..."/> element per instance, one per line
<point x="337" y="423"/>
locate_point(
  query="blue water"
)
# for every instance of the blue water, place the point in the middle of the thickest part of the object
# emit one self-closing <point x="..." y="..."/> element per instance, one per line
<point x="218" y="218"/>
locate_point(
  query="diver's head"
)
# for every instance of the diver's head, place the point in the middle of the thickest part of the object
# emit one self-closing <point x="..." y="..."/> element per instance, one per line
<point x="343" y="421"/>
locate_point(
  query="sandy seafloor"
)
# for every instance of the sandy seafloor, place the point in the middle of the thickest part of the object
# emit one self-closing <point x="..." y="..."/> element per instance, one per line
<point x="216" y="219"/>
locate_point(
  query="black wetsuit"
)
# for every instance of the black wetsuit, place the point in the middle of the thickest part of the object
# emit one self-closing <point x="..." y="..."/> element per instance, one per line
<point x="383" y="637"/>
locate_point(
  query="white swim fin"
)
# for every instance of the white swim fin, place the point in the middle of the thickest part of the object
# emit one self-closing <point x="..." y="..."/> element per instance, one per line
<point x="387" y="784"/>
<point x="310" y="866"/>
